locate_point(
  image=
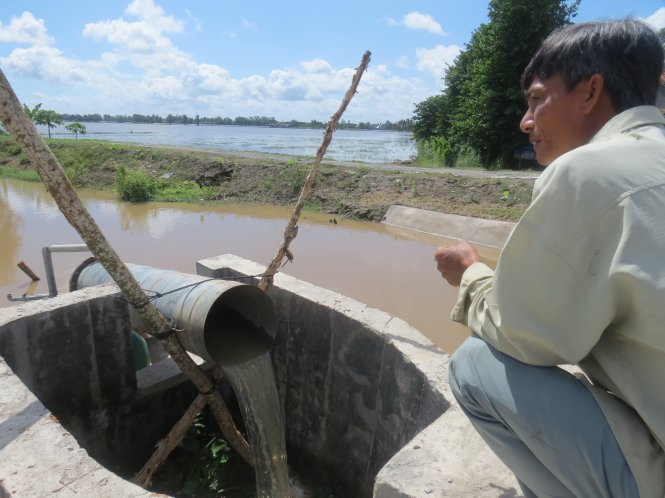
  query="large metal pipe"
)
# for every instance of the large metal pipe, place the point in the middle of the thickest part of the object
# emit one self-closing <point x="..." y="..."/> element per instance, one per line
<point x="221" y="321"/>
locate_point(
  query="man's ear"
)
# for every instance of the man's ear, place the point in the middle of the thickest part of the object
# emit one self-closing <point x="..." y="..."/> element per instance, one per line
<point x="594" y="88"/>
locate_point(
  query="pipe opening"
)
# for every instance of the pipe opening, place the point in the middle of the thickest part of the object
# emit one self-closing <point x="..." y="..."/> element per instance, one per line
<point x="241" y="325"/>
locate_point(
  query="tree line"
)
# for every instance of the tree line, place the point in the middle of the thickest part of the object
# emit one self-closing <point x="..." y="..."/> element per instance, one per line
<point x="51" y="119"/>
<point x="184" y="119"/>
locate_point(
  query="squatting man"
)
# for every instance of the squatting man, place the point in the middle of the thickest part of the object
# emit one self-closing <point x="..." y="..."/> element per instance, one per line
<point x="580" y="281"/>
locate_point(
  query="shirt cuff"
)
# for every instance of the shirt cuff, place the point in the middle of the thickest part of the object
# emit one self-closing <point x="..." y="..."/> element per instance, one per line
<point x="474" y="274"/>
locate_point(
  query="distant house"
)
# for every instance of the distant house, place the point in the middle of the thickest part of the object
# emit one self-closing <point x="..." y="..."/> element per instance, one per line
<point x="526" y="156"/>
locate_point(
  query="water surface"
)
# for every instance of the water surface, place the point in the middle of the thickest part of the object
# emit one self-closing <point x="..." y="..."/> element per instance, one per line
<point x="371" y="146"/>
<point x="384" y="267"/>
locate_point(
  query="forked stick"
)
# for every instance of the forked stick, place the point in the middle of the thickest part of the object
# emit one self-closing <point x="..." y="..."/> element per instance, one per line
<point x="165" y="446"/>
<point x="291" y="229"/>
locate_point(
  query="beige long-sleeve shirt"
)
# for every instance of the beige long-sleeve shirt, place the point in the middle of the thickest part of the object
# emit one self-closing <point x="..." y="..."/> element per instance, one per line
<point x="581" y="281"/>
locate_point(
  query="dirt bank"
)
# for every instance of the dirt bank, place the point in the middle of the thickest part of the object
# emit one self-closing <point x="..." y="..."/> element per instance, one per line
<point x="355" y="190"/>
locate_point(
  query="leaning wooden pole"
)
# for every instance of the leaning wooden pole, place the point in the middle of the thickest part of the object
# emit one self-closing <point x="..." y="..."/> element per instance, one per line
<point x="164" y="448"/>
<point x="19" y="125"/>
<point x="291" y="229"/>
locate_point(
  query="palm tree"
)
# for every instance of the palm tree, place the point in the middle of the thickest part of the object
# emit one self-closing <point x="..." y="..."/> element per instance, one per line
<point x="76" y="128"/>
<point x="43" y="117"/>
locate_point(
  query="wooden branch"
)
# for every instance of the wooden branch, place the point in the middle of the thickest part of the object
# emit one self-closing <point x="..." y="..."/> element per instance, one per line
<point x="175" y="436"/>
<point x="26" y="269"/>
<point x="59" y="186"/>
<point x="165" y="446"/>
<point x="291" y="229"/>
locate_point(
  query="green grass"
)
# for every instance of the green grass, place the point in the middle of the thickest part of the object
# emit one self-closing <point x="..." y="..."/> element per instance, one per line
<point x="183" y="191"/>
<point x="27" y="175"/>
<point x="8" y="146"/>
<point x="172" y="174"/>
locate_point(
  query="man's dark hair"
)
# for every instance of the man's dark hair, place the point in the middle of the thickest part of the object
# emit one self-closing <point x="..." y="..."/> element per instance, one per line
<point x="627" y="53"/>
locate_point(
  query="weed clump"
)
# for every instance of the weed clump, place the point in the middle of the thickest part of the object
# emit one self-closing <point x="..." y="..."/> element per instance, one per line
<point x="135" y="186"/>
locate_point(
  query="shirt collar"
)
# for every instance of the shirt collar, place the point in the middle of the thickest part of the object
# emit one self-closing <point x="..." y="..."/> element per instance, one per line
<point x="627" y="120"/>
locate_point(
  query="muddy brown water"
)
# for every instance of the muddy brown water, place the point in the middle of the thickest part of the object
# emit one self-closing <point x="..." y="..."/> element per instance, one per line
<point x="384" y="267"/>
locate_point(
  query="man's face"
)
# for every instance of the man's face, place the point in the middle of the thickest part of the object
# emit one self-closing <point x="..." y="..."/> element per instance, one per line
<point x="555" y="118"/>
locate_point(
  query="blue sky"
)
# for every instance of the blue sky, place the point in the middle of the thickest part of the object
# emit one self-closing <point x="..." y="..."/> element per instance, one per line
<point x="288" y="60"/>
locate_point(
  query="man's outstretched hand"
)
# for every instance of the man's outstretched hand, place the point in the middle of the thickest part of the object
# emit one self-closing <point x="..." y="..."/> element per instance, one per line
<point x="452" y="261"/>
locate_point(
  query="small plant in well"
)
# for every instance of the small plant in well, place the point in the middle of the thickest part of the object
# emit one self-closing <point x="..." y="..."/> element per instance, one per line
<point x="204" y="466"/>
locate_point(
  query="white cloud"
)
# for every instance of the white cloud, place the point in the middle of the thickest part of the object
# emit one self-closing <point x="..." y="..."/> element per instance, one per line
<point x="248" y="25"/>
<point x="25" y="29"/>
<point x="402" y="62"/>
<point x="657" y="19"/>
<point x="143" y="42"/>
<point x="45" y="63"/>
<point x="152" y="14"/>
<point x="145" y="72"/>
<point x="434" y="60"/>
<point x="167" y="88"/>
<point x="133" y="36"/>
<point x="197" y="24"/>
<point x="317" y="66"/>
<point x="416" y="20"/>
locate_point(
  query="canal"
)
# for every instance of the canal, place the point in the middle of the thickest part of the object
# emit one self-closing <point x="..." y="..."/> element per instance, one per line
<point x="384" y="267"/>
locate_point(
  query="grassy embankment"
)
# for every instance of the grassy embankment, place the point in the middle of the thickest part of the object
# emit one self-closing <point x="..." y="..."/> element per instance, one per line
<point x="189" y="175"/>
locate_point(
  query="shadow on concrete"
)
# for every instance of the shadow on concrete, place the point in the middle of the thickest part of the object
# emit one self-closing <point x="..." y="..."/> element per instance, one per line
<point x="15" y="425"/>
<point x="433" y="348"/>
<point x="507" y="492"/>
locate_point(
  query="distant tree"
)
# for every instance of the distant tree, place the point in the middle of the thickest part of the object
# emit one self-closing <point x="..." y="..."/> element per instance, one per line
<point x="43" y="117"/>
<point x="50" y="119"/>
<point x="76" y="128"/>
<point x="31" y="113"/>
<point x="430" y="117"/>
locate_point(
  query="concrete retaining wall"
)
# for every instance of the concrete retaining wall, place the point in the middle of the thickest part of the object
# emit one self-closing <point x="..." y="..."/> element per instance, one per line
<point x="365" y="395"/>
<point x="358" y="385"/>
<point x="351" y="397"/>
<point x="72" y="355"/>
<point x="486" y="232"/>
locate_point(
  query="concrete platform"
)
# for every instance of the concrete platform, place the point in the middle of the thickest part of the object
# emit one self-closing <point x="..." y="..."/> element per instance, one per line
<point x="366" y="392"/>
<point x="445" y="457"/>
<point x="480" y="231"/>
<point x="448" y="458"/>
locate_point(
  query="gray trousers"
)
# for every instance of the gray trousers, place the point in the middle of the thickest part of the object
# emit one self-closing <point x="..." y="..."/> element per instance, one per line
<point x="542" y="423"/>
